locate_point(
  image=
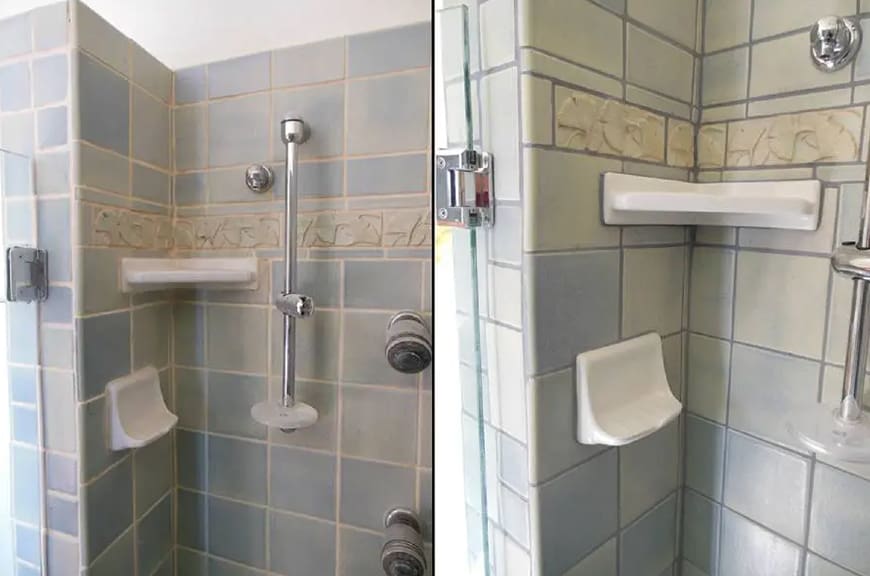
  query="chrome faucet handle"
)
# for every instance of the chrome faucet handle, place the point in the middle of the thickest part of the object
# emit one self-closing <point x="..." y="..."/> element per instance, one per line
<point x="295" y="305"/>
<point x="834" y="42"/>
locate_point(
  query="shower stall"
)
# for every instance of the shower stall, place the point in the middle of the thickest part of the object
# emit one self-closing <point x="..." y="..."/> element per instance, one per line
<point x="154" y="300"/>
<point x="697" y="107"/>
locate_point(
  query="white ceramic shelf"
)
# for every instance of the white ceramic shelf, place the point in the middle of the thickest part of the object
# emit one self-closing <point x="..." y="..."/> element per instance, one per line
<point x="137" y="412"/>
<point x="638" y="200"/>
<point x="143" y="274"/>
<point x="623" y="393"/>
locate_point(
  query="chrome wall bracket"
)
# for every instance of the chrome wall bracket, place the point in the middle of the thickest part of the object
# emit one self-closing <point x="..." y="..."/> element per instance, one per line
<point x="463" y="188"/>
<point x="26" y="274"/>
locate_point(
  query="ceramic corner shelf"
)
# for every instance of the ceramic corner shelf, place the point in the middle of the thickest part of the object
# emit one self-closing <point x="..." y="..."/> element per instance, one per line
<point x="638" y="200"/>
<point x="623" y="393"/>
<point x="137" y="413"/>
<point x="143" y="274"/>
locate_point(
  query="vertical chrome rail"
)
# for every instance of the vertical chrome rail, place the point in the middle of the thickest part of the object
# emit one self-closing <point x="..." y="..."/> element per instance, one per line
<point x="852" y="404"/>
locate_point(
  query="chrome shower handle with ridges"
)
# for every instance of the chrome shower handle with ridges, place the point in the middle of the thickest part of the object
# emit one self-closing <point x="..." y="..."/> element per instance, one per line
<point x="295" y="305"/>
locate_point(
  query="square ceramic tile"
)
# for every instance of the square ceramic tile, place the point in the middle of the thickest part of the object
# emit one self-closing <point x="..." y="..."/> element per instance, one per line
<point x="658" y="65"/>
<point x="778" y="67"/>
<point x="227" y="521"/>
<point x="783" y="319"/>
<point x="364" y="360"/>
<point x="746" y="545"/>
<point x="52" y="174"/>
<point x="368" y="489"/>
<point x="151" y="185"/>
<point x="152" y="470"/>
<point x="52" y="127"/>
<point x="150" y="73"/>
<point x="111" y="498"/>
<point x="358" y="553"/>
<point x="15" y="86"/>
<point x="388" y="114"/>
<point x="504" y="362"/>
<point x="767" y="389"/>
<point x="818" y="566"/>
<point x="537" y="109"/>
<point x="302" y="481"/>
<point x="102" y="40"/>
<point x="323" y="108"/>
<point x="191" y="459"/>
<point x="16" y="34"/>
<point x="499" y="127"/>
<point x="648" y="471"/>
<point x="191" y="140"/>
<point x="102" y="170"/>
<point x="151" y="336"/>
<point x="103" y="351"/>
<point x="708" y="375"/>
<point x="673" y="18"/>
<point x="648" y="546"/>
<point x="562" y="201"/>
<point x="726" y="77"/>
<point x="230" y="399"/>
<point x="154" y="537"/>
<point x="190" y="85"/>
<point x="237" y="338"/>
<point x="308" y="63"/>
<point x="652" y="298"/>
<point x="118" y="558"/>
<point x="239" y="75"/>
<point x="104" y="115"/>
<point x="366" y="285"/>
<point x="819" y="241"/>
<point x="238" y="130"/>
<point x="726" y="23"/>
<point x="767" y="484"/>
<point x="839" y="507"/>
<point x="151" y="130"/>
<point x="711" y="291"/>
<point x="778" y="16"/>
<point x="506" y="298"/>
<point x="404" y="174"/>
<point x="302" y="546"/>
<point x="375" y="52"/>
<point x="601" y="562"/>
<point x="838" y="318"/>
<point x="705" y="457"/>
<point x="237" y="469"/>
<point x="700" y="528"/>
<point x="370" y="419"/>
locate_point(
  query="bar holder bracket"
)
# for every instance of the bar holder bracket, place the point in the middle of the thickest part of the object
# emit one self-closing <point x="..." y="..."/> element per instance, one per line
<point x="27" y="274"/>
<point x="463" y="188"/>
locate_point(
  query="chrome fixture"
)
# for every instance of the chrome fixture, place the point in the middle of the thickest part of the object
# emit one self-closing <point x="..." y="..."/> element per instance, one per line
<point x="26" y="274"/>
<point x="409" y="343"/>
<point x="463" y="188"/>
<point x="259" y="178"/>
<point x="834" y="42"/>
<point x="402" y="554"/>
<point x="288" y="413"/>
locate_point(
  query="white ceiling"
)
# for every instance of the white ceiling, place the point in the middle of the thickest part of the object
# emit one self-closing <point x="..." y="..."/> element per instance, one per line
<point x="183" y="33"/>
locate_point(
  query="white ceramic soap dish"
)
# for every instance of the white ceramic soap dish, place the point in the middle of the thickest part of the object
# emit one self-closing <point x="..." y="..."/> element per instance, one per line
<point x="623" y="393"/>
<point x="137" y="413"/>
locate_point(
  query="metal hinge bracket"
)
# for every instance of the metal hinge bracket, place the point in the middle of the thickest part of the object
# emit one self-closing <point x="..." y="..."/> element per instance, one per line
<point x="26" y="274"/>
<point x="463" y="188"/>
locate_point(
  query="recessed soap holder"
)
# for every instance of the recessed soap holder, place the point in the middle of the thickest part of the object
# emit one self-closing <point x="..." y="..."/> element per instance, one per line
<point x="623" y="393"/>
<point x="137" y="412"/>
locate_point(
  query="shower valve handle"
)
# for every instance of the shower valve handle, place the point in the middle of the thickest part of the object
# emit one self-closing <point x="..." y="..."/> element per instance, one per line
<point x="295" y="305"/>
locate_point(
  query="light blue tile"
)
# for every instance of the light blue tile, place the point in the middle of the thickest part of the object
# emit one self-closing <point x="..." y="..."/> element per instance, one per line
<point x="191" y="563"/>
<point x="23" y="348"/>
<point x="404" y="174"/>
<point x="189" y="334"/>
<point x="388" y="285"/>
<point x="17" y="175"/>
<point x="647" y="547"/>
<point x="320" y="279"/>
<point x="587" y="491"/>
<point x="16" y="35"/>
<point x="322" y="109"/>
<point x="818" y="566"/>
<point x="839" y="516"/>
<point x="190" y="403"/>
<point x="190" y="85"/>
<point x="425" y="489"/>
<point x="377" y="53"/>
<point x="96" y="455"/>
<point x="360" y="552"/>
<point x="301" y="546"/>
<point x="237" y="469"/>
<point x="237" y="532"/>
<point x="573" y="303"/>
<point x="317" y="343"/>
<point x="150" y="73"/>
<point x="22" y="384"/>
<point x="154" y="536"/>
<point x="237" y="338"/>
<point x="515" y="516"/>
<point x="705" y="460"/>
<point x="54" y="236"/>
<point x="152" y="133"/>
<point x="308" y="64"/>
<point x="151" y="185"/>
<point x="16" y="133"/>
<point x="364" y="360"/>
<point x="370" y="489"/>
<point x="50" y="24"/>
<point x="229" y="186"/>
<point x="648" y="472"/>
<point x="118" y="558"/>
<point x="191" y="459"/>
<point x="152" y="468"/>
<point x="109" y="498"/>
<point x="191" y="189"/>
<point x="51" y="127"/>
<point x="700" y="530"/>
<point x="27" y="545"/>
<point x="14" y="87"/>
<point x="62" y="514"/>
<point x="56" y="347"/>
<point x="151" y="336"/>
<point x="59" y="411"/>
<point x="191" y="137"/>
<point x="105" y="110"/>
<point x="303" y="481"/>
<point x="103" y="351"/>
<point x="52" y="173"/>
<point x="26" y="485"/>
<point x="24" y="425"/>
<point x="192" y="520"/>
<point x="239" y="130"/>
<point x="746" y="547"/>
<point x="61" y="473"/>
<point x="615" y="5"/>
<point x="239" y="75"/>
<point x="388" y="114"/>
<point x="370" y="419"/>
<point x="103" y="170"/>
<point x="322" y="435"/>
<point x="19" y="223"/>
<point x="230" y="399"/>
<point x="58" y="307"/>
<point x="50" y="79"/>
<point x="62" y="556"/>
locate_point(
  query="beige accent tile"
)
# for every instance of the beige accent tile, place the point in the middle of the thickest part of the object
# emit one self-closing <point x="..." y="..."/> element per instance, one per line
<point x="778" y="16"/>
<point x="655" y="64"/>
<point x="537" y="116"/>
<point x="803" y="138"/>
<point x="562" y="201"/>
<point x="711" y="146"/>
<point x="710" y="298"/>
<point x="726" y="23"/>
<point x="800" y="103"/>
<point x="781" y="66"/>
<point x="725" y="77"/>
<point x="588" y="122"/>
<point x="820" y="240"/>
<point x="781" y="302"/>
<point x="652" y="297"/>
<point x="534" y="61"/>
<point x="552" y="27"/>
<point x="673" y="18"/>
<point x="681" y="143"/>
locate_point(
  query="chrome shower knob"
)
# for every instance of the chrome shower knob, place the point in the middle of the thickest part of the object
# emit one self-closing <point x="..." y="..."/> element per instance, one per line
<point x="834" y="42"/>
<point x="259" y="178"/>
<point x="295" y="305"/>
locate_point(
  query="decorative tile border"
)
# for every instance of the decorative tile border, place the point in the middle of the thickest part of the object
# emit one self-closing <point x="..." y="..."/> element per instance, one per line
<point x="588" y="122"/>
<point x="711" y="146"/>
<point x="681" y="143"/>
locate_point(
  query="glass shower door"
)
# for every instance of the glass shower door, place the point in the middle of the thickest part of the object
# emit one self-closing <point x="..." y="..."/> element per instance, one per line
<point x="22" y="546"/>
<point x="462" y="444"/>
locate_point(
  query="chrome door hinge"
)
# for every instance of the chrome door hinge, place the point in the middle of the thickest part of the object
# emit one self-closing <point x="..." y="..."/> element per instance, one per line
<point x="26" y="274"/>
<point x="463" y="188"/>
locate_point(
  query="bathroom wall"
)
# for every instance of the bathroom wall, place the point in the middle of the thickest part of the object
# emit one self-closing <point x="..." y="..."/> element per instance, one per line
<point x="768" y="318"/>
<point x="311" y="502"/>
<point x="34" y="127"/>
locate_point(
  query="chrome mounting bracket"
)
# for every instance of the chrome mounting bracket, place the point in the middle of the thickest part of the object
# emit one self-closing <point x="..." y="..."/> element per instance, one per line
<point x="26" y="274"/>
<point x="463" y="188"/>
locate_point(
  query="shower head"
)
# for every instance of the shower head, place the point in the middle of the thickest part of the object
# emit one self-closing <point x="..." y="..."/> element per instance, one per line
<point x="409" y="343"/>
